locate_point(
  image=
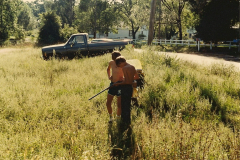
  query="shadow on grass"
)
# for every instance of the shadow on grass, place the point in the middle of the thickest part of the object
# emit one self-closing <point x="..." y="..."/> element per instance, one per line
<point x="225" y="53"/>
<point x="122" y="140"/>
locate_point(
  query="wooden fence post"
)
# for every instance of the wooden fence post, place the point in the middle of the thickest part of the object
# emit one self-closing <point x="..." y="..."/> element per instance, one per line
<point x="198" y="42"/>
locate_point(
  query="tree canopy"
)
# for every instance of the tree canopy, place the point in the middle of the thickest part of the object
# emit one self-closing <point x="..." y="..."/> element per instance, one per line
<point x="217" y="21"/>
<point x="8" y="17"/>
<point x="214" y="20"/>
<point x="50" y="30"/>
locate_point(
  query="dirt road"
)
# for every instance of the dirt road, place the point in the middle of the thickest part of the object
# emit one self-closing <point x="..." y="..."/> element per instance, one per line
<point x="206" y="59"/>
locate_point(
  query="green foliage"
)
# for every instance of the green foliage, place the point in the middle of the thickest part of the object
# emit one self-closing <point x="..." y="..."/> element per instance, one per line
<point x="95" y="16"/>
<point x="134" y="13"/>
<point x="37" y="7"/>
<point x="217" y="20"/>
<point x="19" y="33"/>
<point x="197" y="6"/>
<point x="50" y="29"/>
<point x="67" y="31"/>
<point x="7" y="18"/>
<point x="24" y="16"/>
<point x="65" y="9"/>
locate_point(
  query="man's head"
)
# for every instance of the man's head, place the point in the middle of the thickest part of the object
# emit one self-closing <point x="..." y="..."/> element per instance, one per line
<point x="120" y="61"/>
<point x="115" y="54"/>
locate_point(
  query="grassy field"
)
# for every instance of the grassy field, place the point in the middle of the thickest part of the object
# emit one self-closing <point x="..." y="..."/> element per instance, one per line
<point x="186" y="111"/>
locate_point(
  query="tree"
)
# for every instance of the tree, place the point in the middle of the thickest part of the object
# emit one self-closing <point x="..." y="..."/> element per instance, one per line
<point x="135" y="13"/>
<point x="65" y="9"/>
<point x="25" y="16"/>
<point x="197" y="6"/>
<point x="167" y="21"/>
<point x="151" y="23"/>
<point x="108" y="19"/>
<point x="50" y="29"/>
<point x="8" y="17"/>
<point x="217" y="21"/>
<point x="176" y="7"/>
<point x="38" y="7"/>
<point x="95" y="16"/>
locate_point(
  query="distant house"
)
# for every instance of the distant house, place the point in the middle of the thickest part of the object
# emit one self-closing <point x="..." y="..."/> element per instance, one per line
<point x="124" y="33"/>
<point x="191" y="33"/>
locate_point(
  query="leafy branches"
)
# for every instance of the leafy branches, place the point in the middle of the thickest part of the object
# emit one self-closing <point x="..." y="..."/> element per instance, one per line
<point x="50" y="29"/>
<point x="8" y="18"/>
<point x="135" y="13"/>
<point x="217" y="21"/>
<point x="177" y="9"/>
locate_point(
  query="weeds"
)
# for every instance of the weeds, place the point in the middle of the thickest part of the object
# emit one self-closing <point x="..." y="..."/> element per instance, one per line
<point x="186" y="111"/>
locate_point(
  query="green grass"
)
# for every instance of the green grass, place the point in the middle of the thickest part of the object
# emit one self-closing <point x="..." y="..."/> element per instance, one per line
<point x="186" y="111"/>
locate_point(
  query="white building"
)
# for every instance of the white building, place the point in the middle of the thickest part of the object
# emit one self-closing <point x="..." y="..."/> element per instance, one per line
<point x="124" y="33"/>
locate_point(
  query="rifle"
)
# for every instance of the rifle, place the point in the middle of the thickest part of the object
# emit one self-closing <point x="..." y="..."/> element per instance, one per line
<point x="102" y="91"/>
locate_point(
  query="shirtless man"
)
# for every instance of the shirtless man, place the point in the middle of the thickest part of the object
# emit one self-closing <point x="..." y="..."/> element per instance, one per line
<point x="115" y="76"/>
<point x="130" y="74"/>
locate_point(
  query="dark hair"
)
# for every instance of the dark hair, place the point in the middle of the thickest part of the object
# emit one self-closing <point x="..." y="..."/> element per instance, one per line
<point x="115" y="54"/>
<point x="119" y="60"/>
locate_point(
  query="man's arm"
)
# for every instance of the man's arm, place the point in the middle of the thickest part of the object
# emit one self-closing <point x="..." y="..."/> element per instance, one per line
<point x="109" y="71"/>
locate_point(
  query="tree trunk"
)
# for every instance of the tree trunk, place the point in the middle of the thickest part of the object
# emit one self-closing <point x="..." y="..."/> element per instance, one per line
<point x="159" y="27"/>
<point x="180" y="28"/>
<point x="179" y="23"/>
<point x="151" y="23"/>
<point x="133" y="34"/>
<point x="134" y="31"/>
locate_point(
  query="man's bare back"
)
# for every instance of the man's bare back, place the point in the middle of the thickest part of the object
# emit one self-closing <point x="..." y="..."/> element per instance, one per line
<point x="130" y="73"/>
<point x="117" y="73"/>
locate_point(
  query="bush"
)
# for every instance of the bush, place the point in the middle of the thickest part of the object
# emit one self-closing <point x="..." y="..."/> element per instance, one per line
<point x="50" y="29"/>
<point x="19" y="33"/>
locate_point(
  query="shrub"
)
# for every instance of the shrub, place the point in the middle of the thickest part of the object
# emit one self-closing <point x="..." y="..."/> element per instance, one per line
<point x="50" y="29"/>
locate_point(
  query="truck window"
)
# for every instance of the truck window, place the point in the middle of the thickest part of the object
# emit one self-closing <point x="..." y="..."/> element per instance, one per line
<point x="77" y="39"/>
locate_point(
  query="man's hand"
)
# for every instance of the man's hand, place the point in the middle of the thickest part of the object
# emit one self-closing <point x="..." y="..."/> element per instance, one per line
<point x="116" y="84"/>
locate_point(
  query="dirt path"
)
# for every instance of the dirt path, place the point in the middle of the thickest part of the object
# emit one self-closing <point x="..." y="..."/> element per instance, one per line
<point x="205" y="59"/>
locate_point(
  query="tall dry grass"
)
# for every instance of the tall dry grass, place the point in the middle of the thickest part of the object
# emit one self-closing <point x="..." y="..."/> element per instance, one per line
<point x="186" y="111"/>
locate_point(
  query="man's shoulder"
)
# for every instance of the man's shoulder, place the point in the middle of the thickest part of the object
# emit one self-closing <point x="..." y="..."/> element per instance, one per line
<point x="129" y="66"/>
<point x="111" y="62"/>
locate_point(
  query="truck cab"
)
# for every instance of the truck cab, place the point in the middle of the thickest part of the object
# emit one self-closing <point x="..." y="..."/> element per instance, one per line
<point x="78" y="44"/>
